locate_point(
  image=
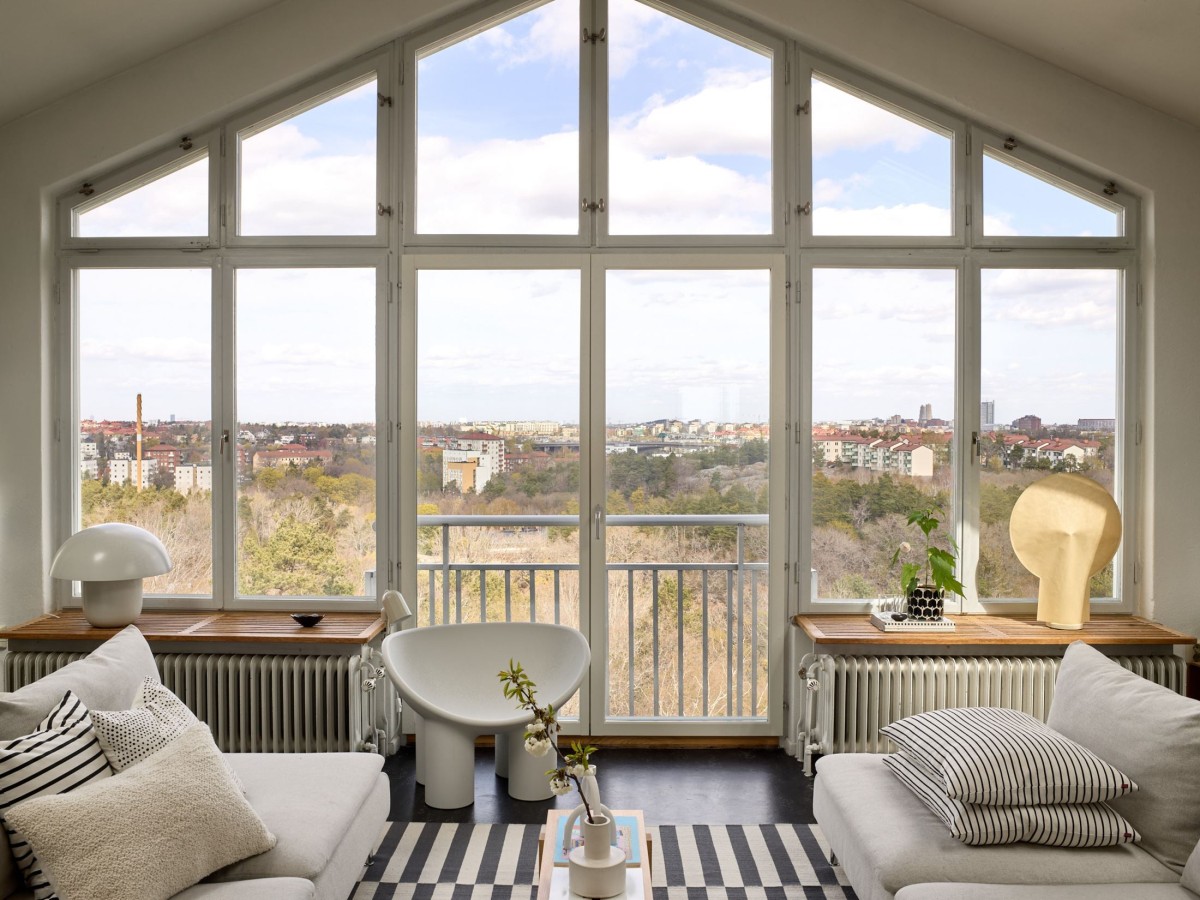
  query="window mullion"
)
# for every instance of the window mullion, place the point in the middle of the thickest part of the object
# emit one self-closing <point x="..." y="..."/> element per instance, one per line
<point x="224" y="454"/>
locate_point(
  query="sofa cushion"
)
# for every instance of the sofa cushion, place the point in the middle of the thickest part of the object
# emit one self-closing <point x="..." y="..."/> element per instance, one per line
<point x="1145" y="730"/>
<point x="130" y="735"/>
<point x="62" y="755"/>
<point x="1004" y="757"/>
<point x="1191" y="872"/>
<point x="308" y="800"/>
<point x="108" y="678"/>
<point x="148" y="832"/>
<point x="1056" y="824"/>
<point x="261" y="889"/>
<point x="1045" y="892"/>
<point x="886" y="839"/>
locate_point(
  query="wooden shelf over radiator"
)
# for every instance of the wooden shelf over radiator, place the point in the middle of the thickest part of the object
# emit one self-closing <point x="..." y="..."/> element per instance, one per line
<point x="207" y="626"/>
<point x="977" y="630"/>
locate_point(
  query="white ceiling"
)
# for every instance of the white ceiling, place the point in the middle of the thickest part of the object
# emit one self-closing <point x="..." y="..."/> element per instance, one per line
<point x="49" y="48"/>
<point x="1148" y="50"/>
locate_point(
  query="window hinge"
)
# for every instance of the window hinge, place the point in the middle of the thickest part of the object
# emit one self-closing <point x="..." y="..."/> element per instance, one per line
<point x="399" y="567"/>
<point x="58" y="293"/>
<point x="222" y="143"/>
<point x="787" y="214"/>
<point x="383" y="210"/>
<point x="968" y="215"/>
<point x="804" y="209"/>
<point x="1138" y="294"/>
<point x="967" y="143"/>
<point x="1110" y="188"/>
<point x="1137" y="571"/>
<point x="57" y="430"/>
<point x="796" y="573"/>
<point x="796" y="435"/>
<point x="391" y="430"/>
<point x="88" y="250"/>
<point x="999" y="249"/>
<point x="1010" y="144"/>
<point x="223" y="208"/>
<point x="86" y="189"/>
<point x="803" y="109"/>
<point x="787" y="71"/>
<point x="1137" y="433"/>
<point x="384" y="100"/>
<point x="590" y="38"/>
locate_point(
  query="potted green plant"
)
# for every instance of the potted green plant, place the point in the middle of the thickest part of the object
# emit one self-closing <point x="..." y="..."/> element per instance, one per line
<point x="927" y="599"/>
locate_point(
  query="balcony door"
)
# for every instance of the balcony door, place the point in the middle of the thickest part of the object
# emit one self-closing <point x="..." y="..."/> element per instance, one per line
<point x="590" y="443"/>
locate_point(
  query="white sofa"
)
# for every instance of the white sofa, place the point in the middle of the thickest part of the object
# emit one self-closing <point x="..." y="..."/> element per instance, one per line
<point x="328" y="810"/>
<point x="892" y="846"/>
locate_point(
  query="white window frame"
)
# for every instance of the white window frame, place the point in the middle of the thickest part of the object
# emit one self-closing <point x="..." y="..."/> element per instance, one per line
<point x="109" y="186"/>
<point x="377" y="64"/>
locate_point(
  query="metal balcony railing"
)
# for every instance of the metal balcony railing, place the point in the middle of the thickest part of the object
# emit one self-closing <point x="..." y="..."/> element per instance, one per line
<point x="686" y="639"/>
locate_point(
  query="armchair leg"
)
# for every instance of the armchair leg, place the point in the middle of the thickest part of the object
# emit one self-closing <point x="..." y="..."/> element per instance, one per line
<point x="832" y="858"/>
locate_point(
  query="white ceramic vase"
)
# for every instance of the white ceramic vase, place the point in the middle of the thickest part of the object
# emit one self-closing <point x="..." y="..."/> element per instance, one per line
<point x="597" y="869"/>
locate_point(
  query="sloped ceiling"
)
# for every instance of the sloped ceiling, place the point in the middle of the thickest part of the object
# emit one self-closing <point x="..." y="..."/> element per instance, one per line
<point x="50" y="48"/>
<point x="1143" y="49"/>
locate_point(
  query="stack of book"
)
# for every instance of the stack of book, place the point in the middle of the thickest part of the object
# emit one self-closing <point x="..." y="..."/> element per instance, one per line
<point x="886" y="621"/>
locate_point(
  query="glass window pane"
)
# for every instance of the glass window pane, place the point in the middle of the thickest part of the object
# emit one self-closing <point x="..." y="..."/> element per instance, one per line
<point x="314" y="172"/>
<point x="498" y="418"/>
<point x="687" y="357"/>
<point x="170" y="204"/>
<point x="145" y="333"/>
<point x="498" y="128"/>
<point x="689" y="128"/>
<point x="882" y="401"/>
<point x="875" y="171"/>
<point x="1049" y="386"/>
<point x="1019" y="201"/>
<point x="306" y="432"/>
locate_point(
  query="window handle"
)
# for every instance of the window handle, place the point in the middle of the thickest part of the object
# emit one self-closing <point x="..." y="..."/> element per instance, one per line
<point x="597" y="515"/>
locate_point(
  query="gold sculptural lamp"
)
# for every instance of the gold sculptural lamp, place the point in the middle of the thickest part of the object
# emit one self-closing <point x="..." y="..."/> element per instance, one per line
<point x="1064" y="529"/>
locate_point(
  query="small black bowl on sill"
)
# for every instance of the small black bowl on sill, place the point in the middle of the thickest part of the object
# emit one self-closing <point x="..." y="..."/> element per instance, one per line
<point x="308" y="620"/>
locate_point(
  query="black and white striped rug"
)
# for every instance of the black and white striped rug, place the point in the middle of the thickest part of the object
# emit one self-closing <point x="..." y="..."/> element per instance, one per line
<point x="451" y="861"/>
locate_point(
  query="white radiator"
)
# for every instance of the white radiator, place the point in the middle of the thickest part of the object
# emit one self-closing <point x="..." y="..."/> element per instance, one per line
<point x="261" y="703"/>
<point x="849" y="698"/>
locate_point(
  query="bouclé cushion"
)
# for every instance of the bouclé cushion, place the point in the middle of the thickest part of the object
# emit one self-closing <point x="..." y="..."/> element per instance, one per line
<point x="148" y="832"/>
<point x="62" y="755"/>
<point x="1002" y="757"/>
<point x="108" y="678"/>
<point x="1058" y="825"/>
<point x="1141" y="728"/>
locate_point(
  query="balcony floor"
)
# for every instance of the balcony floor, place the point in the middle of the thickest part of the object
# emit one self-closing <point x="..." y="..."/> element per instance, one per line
<point x="673" y="787"/>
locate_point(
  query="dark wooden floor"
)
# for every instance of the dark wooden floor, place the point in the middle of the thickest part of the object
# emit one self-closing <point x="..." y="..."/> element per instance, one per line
<point x="673" y="787"/>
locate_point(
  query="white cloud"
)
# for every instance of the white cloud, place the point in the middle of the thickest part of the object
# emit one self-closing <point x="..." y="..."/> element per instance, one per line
<point x="902" y="219"/>
<point x="842" y="121"/>
<point x="176" y="204"/>
<point x="1052" y="298"/>
<point x="730" y="114"/>
<point x="634" y="28"/>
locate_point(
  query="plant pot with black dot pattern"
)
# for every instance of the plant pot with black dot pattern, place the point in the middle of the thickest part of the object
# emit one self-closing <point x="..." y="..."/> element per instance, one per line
<point x="926" y="602"/>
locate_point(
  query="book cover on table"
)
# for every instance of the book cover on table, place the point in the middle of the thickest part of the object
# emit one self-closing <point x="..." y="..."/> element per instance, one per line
<point x="627" y="840"/>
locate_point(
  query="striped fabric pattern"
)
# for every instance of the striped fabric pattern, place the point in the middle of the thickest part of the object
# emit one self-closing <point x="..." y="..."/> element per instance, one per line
<point x="1002" y="757"/>
<point x="1058" y="825"/>
<point x="473" y="861"/>
<point x="61" y="755"/>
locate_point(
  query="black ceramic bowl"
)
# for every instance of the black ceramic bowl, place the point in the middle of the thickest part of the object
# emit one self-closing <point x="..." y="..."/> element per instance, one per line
<point x="308" y="620"/>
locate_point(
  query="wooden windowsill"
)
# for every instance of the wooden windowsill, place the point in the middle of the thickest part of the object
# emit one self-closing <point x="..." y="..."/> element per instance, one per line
<point x="975" y="630"/>
<point x="207" y="626"/>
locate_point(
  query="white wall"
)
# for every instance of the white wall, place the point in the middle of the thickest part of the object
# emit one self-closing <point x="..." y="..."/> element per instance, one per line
<point x="120" y="118"/>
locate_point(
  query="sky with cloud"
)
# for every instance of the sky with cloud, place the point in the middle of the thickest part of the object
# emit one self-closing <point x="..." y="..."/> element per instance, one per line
<point x="689" y="153"/>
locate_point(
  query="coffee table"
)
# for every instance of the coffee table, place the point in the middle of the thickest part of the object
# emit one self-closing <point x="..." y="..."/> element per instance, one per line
<point x="553" y="881"/>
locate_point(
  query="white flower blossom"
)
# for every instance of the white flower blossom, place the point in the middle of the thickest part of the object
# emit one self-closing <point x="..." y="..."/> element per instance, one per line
<point x="537" y="746"/>
<point x="560" y="784"/>
<point x="537" y="726"/>
<point x="578" y="771"/>
<point x="905" y="546"/>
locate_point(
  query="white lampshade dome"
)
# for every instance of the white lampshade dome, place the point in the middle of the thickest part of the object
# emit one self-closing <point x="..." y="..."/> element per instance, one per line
<point x="113" y="551"/>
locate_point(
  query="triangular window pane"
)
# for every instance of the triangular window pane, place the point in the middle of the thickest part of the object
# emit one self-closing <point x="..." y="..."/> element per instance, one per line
<point x="498" y="128"/>
<point x="1026" y="202"/>
<point x="314" y="172"/>
<point x="689" y="128"/>
<point x="876" y="172"/>
<point x="164" y="204"/>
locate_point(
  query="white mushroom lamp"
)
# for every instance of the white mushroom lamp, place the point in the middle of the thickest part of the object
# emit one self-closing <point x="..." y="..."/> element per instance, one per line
<point x="110" y="562"/>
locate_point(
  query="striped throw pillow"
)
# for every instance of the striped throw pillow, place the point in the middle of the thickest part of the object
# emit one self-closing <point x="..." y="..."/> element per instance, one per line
<point x="1001" y="757"/>
<point x="61" y="755"/>
<point x="1058" y="825"/>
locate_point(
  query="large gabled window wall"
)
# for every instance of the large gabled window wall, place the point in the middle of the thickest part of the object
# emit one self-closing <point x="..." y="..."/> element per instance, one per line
<point x="299" y="295"/>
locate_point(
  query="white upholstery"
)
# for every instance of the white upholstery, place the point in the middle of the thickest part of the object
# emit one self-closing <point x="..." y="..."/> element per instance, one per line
<point x="958" y="891"/>
<point x="448" y="674"/>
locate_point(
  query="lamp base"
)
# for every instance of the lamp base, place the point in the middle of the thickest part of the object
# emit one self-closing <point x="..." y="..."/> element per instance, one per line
<point x="112" y="604"/>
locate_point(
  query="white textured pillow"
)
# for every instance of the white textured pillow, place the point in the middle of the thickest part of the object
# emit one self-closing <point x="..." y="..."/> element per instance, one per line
<point x="60" y="756"/>
<point x="129" y="736"/>
<point x="1058" y="825"/>
<point x="1001" y="757"/>
<point x="148" y="832"/>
